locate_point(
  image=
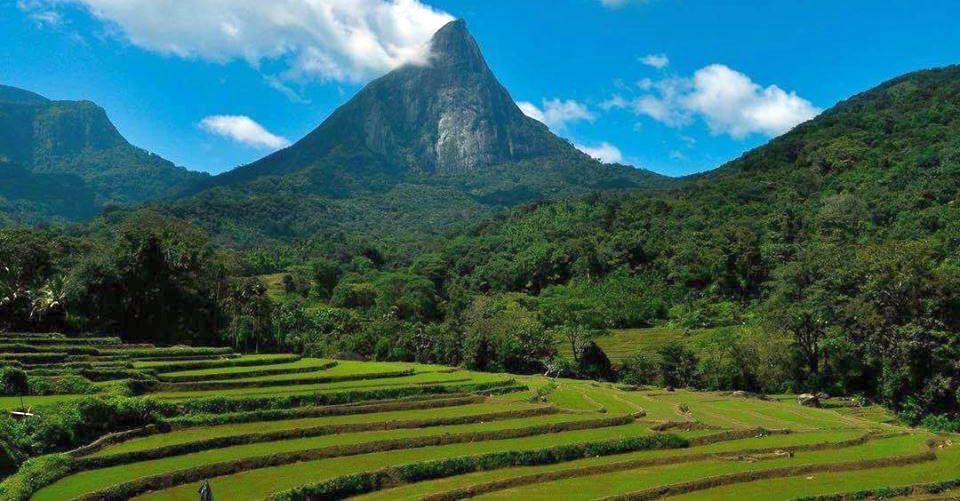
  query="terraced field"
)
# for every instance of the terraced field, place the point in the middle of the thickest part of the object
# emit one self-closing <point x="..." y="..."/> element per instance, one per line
<point x="284" y="427"/>
<point x="621" y="344"/>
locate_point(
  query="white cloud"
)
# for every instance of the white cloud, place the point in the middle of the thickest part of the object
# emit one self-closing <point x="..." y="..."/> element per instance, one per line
<point x="531" y="110"/>
<point x="556" y="113"/>
<point x="243" y="129"/>
<point x="658" y="61"/>
<point x="615" y="102"/>
<point x="40" y="13"/>
<point x="727" y="100"/>
<point x="613" y="4"/>
<point x="662" y="110"/>
<point x="604" y="152"/>
<point x="733" y="104"/>
<point x="343" y="40"/>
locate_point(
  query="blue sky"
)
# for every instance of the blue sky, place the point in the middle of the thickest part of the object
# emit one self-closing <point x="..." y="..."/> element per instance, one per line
<point x="676" y="86"/>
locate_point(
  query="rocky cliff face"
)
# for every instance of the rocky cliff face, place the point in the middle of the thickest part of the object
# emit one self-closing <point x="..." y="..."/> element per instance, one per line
<point x="447" y="116"/>
<point x="420" y="148"/>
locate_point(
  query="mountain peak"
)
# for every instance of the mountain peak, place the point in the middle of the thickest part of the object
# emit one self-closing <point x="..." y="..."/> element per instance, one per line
<point x="455" y="28"/>
<point x="452" y="45"/>
<point x="20" y="96"/>
<point x="447" y="117"/>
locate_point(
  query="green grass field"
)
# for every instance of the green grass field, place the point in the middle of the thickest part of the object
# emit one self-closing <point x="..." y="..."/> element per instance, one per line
<point x="384" y="415"/>
<point x="621" y="344"/>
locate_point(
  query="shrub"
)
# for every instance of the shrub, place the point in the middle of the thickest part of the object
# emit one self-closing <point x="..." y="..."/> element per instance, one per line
<point x="678" y="365"/>
<point x="34" y="475"/>
<point x="61" y="385"/>
<point x="941" y="423"/>
<point x="640" y="369"/>
<point x="14" y="381"/>
<point x="592" y="363"/>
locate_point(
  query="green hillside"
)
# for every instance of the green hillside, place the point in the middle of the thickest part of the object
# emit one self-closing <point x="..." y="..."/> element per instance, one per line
<point x="29" y="197"/>
<point x="841" y="235"/>
<point x="69" y="146"/>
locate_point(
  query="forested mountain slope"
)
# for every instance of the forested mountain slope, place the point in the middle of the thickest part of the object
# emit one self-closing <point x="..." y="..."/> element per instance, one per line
<point x="71" y="149"/>
<point x="881" y="166"/>
<point x="844" y="233"/>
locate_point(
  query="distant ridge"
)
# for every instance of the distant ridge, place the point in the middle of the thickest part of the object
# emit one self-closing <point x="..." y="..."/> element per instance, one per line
<point x="73" y="146"/>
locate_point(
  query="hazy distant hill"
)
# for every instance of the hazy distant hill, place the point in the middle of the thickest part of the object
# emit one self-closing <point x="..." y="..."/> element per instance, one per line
<point x="73" y="146"/>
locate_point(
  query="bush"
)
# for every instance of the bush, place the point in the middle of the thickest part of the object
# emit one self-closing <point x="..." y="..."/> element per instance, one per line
<point x="350" y="294"/>
<point x="66" y="427"/>
<point x="640" y="369"/>
<point x="14" y="381"/>
<point x="34" y="475"/>
<point x="592" y="363"/>
<point x="941" y="423"/>
<point x="503" y="334"/>
<point x="61" y="385"/>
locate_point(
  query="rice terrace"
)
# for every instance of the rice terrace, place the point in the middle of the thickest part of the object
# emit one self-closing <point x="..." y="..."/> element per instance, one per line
<point x="287" y="427"/>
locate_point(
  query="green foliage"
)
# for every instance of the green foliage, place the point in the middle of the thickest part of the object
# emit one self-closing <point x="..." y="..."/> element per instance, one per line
<point x="66" y="427"/>
<point x="351" y="293"/>
<point x="153" y="278"/>
<point x="406" y="297"/>
<point x="941" y="423"/>
<point x="61" y="385"/>
<point x="503" y="334"/>
<point x="641" y="369"/>
<point x="250" y="312"/>
<point x="35" y="474"/>
<point x="678" y="365"/>
<point x="743" y="359"/>
<point x="326" y="275"/>
<point x="14" y="381"/>
<point x="838" y="238"/>
<point x="841" y="233"/>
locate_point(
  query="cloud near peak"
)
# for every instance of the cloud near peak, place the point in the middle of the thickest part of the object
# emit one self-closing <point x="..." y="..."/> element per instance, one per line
<point x="244" y="130"/>
<point x="604" y="152"/>
<point x="727" y="100"/>
<point x="340" y="40"/>
<point x="557" y="113"/>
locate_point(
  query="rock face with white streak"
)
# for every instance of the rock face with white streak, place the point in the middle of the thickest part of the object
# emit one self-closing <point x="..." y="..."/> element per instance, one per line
<point x="443" y="128"/>
<point x="447" y="116"/>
